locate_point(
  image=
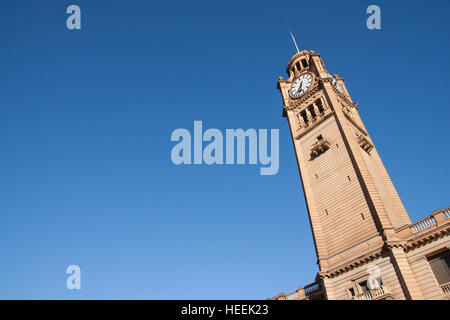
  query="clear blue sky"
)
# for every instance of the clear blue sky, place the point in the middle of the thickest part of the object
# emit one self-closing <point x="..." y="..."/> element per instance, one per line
<point x="86" y="117"/>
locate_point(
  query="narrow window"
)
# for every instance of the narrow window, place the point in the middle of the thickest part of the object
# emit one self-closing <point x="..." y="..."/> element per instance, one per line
<point x="349" y="178"/>
<point x="440" y="264"/>
<point x="362" y="215"/>
<point x="311" y="110"/>
<point x="326" y="211"/>
<point x="363" y="286"/>
<point x="337" y="146"/>
<point x="305" y="118"/>
<point x="298" y="66"/>
<point x="317" y="177"/>
<point x="352" y="292"/>
<point x="320" y="105"/>
<point x="304" y="63"/>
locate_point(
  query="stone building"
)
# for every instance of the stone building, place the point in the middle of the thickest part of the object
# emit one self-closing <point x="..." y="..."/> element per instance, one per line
<point x="367" y="247"/>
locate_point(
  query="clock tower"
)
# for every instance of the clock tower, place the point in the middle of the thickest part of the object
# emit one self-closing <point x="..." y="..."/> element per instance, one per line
<point x="357" y="218"/>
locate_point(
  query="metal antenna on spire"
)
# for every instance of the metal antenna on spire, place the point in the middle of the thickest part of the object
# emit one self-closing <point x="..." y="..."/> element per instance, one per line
<point x="293" y="39"/>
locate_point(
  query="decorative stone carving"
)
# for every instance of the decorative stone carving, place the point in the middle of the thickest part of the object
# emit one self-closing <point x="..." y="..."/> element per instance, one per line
<point x="365" y="144"/>
<point x="320" y="147"/>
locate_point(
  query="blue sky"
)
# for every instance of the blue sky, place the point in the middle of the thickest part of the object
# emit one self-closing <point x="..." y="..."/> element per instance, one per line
<point x="86" y="117"/>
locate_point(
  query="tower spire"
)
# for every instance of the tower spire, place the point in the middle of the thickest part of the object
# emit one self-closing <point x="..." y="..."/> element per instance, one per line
<point x="295" y="42"/>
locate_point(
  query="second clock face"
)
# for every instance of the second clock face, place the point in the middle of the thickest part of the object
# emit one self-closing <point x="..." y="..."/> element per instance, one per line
<point x="337" y="86"/>
<point x="335" y="83"/>
<point x="301" y="84"/>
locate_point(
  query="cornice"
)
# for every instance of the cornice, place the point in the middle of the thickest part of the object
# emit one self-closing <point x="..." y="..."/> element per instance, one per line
<point x="295" y="57"/>
<point x="407" y="245"/>
<point x="306" y="130"/>
<point x="294" y="103"/>
<point x="343" y="99"/>
<point x="425" y="238"/>
<point x="355" y="124"/>
<point x="352" y="264"/>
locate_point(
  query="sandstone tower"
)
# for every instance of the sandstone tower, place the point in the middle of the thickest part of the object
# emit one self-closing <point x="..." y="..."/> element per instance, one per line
<point x="366" y="245"/>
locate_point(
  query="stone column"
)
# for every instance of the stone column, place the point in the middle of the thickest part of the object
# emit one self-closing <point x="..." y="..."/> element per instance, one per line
<point x="316" y="110"/>
<point x="405" y="274"/>
<point x="328" y="289"/>
<point x="309" y="115"/>
<point x="301" y="120"/>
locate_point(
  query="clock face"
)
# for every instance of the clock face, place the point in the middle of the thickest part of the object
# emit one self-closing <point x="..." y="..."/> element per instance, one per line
<point x="301" y="84"/>
<point x="338" y="86"/>
<point x="335" y="83"/>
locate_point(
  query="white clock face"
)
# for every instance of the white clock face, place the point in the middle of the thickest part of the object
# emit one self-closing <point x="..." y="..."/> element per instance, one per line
<point x="337" y="86"/>
<point x="335" y="83"/>
<point x="301" y="84"/>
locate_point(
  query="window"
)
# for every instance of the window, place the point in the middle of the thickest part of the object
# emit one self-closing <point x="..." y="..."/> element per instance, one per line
<point x="363" y="286"/>
<point x="312" y="112"/>
<point x="304" y="63"/>
<point x="320" y="106"/>
<point x="352" y="292"/>
<point x="440" y="263"/>
<point x="375" y="283"/>
<point x="305" y="117"/>
<point x="380" y="282"/>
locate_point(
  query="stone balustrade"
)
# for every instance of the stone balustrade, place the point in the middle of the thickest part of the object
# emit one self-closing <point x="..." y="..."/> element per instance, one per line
<point x="312" y="289"/>
<point x="435" y="220"/>
<point x="446" y="213"/>
<point x="320" y="147"/>
<point x="308" y="292"/>
<point x="294" y="295"/>
<point x="365" y="144"/>
<point x="375" y="294"/>
<point x="423" y="224"/>
<point x="446" y="288"/>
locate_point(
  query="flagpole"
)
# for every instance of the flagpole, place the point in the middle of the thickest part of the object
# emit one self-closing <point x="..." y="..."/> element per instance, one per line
<point x="295" y="42"/>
